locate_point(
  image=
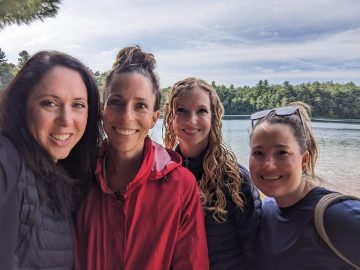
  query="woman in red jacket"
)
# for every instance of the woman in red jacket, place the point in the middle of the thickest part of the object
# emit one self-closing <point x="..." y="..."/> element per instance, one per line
<point x="144" y="212"/>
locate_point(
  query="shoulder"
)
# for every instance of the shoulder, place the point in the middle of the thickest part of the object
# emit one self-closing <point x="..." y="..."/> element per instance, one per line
<point x="342" y="223"/>
<point x="184" y="176"/>
<point x="346" y="211"/>
<point x="10" y="165"/>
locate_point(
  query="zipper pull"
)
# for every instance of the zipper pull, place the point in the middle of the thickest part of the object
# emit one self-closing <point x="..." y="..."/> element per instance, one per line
<point x="120" y="196"/>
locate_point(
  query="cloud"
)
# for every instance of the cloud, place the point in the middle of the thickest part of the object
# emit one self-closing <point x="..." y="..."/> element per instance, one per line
<point x="227" y="41"/>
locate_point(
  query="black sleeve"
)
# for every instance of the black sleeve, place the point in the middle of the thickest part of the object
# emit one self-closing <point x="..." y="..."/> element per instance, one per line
<point x="342" y="225"/>
<point x="9" y="203"/>
<point x="248" y="219"/>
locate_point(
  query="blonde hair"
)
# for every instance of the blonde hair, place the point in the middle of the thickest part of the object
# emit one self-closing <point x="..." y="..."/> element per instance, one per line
<point x="221" y="170"/>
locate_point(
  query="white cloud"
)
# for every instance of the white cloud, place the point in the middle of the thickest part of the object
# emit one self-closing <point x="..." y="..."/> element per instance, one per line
<point x="218" y="40"/>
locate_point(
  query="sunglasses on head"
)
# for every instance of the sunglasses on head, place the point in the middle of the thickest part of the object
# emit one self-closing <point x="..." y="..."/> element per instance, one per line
<point x="283" y="111"/>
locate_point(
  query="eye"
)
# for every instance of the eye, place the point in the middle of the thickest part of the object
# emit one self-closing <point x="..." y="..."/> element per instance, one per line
<point x="141" y="106"/>
<point x="48" y="103"/>
<point x="203" y="111"/>
<point x="257" y="153"/>
<point x="180" y="110"/>
<point x="79" y="105"/>
<point x="113" y="102"/>
<point x="283" y="153"/>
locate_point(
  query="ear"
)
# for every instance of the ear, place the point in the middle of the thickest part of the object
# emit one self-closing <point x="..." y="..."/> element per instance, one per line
<point x="154" y="119"/>
<point x="305" y="160"/>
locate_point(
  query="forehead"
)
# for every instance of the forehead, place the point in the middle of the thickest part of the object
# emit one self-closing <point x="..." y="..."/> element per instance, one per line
<point x="195" y="96"/>
<point x="131" y="84"/>
<point x="267" y="134"/>
<point x="61" y="81"/>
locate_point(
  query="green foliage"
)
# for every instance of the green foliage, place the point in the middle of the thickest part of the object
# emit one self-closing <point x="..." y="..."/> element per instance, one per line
<point x="26" y="11"/>
<point x="328" y="99"/>
<point x="24" y="56"/>
<point x="2" y="56"/>
<point x="7" y="72"/>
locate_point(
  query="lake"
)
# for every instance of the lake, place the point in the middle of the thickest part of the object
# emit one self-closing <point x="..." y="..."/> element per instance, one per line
<point x="339" y="147"/>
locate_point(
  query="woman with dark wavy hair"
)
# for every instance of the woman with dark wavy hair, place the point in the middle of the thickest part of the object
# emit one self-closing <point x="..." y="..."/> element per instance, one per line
<point x="49" y="116"/>
<point x="192" y="121"/>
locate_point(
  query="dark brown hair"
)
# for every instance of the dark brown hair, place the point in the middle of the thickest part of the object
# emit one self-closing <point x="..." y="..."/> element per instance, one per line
<point x="58" y="183"/>
<point x="133" y="59"/>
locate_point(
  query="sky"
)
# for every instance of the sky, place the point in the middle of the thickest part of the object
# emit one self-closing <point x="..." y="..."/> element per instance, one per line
<point x="235" y="42"/>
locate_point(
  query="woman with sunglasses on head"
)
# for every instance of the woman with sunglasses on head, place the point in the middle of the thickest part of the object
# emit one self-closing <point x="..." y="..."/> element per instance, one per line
<point x="192" y="121"/>
<point x="49" y="128"/>
<point x="282" y="166"/>
<point x="144" y="212"/>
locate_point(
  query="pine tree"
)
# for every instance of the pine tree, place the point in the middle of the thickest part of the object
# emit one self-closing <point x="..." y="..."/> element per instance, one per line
<point x="26" y="11"/>
<point x="24" y="56"/>
<point x="2" y="57"/>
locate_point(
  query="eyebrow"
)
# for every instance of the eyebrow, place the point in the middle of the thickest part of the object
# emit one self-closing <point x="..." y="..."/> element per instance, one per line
<point x="57" y="97"/>
<point x="276" y="146"/>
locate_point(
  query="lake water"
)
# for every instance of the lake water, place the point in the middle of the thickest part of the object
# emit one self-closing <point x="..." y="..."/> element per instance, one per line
<point x="339" y="147"/>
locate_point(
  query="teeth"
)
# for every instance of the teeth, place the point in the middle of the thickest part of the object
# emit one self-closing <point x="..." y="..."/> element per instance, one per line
<point x="125" y="132"/>
<point x="271" y="177"/>
<point x="191" y="131"/>
<point x="61" y="137"/>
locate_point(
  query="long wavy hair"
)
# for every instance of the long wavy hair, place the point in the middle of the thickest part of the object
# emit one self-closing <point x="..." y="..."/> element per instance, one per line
<point x="221" y="170"/>
<point x="61" y="184"/>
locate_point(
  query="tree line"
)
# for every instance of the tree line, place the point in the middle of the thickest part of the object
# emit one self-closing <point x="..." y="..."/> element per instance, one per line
<point x="328" y="99"/>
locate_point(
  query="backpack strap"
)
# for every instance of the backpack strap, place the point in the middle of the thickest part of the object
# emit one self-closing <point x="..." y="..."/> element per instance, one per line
<point x="321" y="206"/>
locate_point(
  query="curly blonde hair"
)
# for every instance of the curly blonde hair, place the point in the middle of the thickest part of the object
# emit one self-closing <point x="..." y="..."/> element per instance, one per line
<point x="221" y="170"/>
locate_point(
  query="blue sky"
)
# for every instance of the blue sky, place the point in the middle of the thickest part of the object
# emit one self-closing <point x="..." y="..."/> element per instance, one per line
<point x="238" y="42"/>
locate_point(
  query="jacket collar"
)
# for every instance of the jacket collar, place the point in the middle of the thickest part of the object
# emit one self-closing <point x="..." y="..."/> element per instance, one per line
<point x="193" y="164"/>
<point x="157" y="163"/>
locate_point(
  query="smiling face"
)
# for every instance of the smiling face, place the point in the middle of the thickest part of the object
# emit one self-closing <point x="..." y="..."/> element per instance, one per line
<point x="192" y="121"/>
<point x="276" y="163"/>
<point x="57" y="111"/>
<point x="129" y="113"/>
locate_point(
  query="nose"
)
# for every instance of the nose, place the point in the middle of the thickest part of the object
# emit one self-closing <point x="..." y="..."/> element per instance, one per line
<point x="269" y="162"/>
<point x="64" y="116"/>
<point x="127" y="113"/>
<point x="192" y="118"/>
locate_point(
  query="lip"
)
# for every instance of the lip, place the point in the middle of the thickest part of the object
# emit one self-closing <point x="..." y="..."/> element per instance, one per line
<point x="191" y="131"/>
<point x="271" y="177"/>
<point x="125" y="131"/>
<point x="61" y="139"/>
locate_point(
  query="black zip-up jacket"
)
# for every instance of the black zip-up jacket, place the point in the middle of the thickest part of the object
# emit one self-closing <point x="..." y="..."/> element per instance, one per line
<point x="231" y="244"/>
<point x="32" y="235"/>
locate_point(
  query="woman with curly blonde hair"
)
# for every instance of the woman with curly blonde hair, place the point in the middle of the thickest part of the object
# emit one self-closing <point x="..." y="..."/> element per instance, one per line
<point x="192" y="123"/>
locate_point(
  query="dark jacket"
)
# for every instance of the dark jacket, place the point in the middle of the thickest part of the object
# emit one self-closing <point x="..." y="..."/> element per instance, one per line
<point x="231" y="243"/>
<point x="33" y="236"/>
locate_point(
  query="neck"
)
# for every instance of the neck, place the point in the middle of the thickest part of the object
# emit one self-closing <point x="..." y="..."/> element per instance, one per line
<point x="121" y="169"/>
<point x="192" y="151"/>
<point x="295" y="196"/>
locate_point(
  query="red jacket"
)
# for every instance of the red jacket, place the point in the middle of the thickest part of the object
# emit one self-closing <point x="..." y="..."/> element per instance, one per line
<point x="158" y="223"/>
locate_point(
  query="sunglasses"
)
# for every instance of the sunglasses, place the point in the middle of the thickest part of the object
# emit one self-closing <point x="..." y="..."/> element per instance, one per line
<point x="283" y="111"/>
